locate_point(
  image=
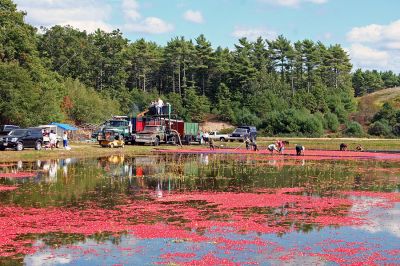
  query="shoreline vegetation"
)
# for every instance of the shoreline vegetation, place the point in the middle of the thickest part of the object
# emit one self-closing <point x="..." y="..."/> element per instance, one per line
<point x="281" y="86"/>
<point x="90" y="150"/>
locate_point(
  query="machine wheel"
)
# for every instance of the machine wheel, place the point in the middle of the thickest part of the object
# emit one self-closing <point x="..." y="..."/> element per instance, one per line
<point x="38" y="146"/>
<point x="57" y="144"/>
<point x="111" y="145"/>
<point x="20" y="146"/>
<point x="2" y="148"/>
<point x="123" y="145"/>
<point x="222" y="139"/>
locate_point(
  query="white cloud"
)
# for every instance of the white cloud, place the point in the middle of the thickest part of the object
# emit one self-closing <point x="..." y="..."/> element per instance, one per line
<point x="292" y="3"/>
<point x="375" y="33"/>
<point x="253" y="33"/>
<point x="150" y="25"/>
<point x="90" y="15"/>
<point x="131" y="9"/>
<point x="393" y="45"/>
<point x="367" y="57"/>
<point x="85" y="14"/>
<point x="193" y="16"/>
<point x="47" y="259"/>
<point x="376" y="46"/>
<point x="376" y="222"/>
<point x="370" y="33"/>
<point x="318" y="1"/>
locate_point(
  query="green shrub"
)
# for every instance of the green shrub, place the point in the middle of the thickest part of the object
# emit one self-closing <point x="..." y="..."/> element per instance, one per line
<point x="331" y="122"/>
<point x="354" y="129"/>
<point x="379" y="128"/>
<point x="311" y="126"/>
<point x="396" y="129"/>
<point x="293" y="122"/>
<point x="227" y="130"/>
<point x="88" y="106"/>
<point x="245" y="117"/>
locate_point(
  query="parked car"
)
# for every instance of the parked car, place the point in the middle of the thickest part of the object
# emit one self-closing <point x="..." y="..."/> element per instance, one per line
<point x="5" y="129"/>
<point x="19" y="139"/>
<point x="215" y="135"/>
<point x="240" y="133"/>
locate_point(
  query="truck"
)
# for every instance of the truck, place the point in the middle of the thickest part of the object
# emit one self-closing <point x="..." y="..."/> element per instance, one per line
<point x="215" y="135"/>
<point x="151" y="134"/>
<point x="242" y="132"/>
<point x="111" y="139"/>
<point x="149" y="127"/>
<point x="165" y="130"/>
<point x="117" y="126"/>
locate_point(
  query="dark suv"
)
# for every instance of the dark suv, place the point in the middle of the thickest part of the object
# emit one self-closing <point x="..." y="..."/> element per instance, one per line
<point x="19" y="139"/>
<point x="240" y="133"/>
<point x="5" y="129"/>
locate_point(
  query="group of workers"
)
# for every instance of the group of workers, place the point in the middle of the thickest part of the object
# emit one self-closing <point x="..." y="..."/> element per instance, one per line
<point x="50" y="139"/>
<point x="279" y="146"/>
<point x="158" y="104"/>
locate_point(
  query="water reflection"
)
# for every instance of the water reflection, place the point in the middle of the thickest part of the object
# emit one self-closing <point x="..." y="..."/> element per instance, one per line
<point x="195" y="172"/>
<point x="216" y="199"/>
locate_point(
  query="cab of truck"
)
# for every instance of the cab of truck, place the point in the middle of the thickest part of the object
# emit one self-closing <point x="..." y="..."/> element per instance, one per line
<point x="151" y="134"/>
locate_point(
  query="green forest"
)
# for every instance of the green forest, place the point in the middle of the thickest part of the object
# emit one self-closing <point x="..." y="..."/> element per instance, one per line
<point x="63" y="74"/>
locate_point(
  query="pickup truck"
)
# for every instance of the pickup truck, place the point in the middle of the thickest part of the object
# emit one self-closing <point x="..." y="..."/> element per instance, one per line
<point x="215" y="135"/>
<point x="240" y="133"/>
<point x="151" y="134"/>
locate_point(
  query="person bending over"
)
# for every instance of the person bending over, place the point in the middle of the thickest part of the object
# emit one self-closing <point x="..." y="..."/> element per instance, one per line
<point x="343" y="147"/>
<point x="300" y="150"/>
<point x="272" y="147"/>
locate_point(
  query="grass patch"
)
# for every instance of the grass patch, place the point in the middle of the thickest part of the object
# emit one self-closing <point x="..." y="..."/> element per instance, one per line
<point x="83" y="150"/>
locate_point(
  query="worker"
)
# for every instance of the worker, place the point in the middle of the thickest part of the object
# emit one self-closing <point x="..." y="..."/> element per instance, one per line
<point x="65" y="139"/>
<point x="160" y="105"/>
<point x="281" y="146"/>
<point x="359" y="148"/>
<point x="300" y="150"/>
<point x="247" y="142"/>
<point x="272" y="147"/>
<point x="53" y="139"/>
<point x="206" y="136"/>
<point x="254" y="144"/>
<point x="212" y="145"/>
<point x="343" y="146"/>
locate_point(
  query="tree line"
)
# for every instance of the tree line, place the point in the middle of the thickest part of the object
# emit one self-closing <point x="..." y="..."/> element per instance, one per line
<point x="369" y="81"/>
<point x="64" y="74"/>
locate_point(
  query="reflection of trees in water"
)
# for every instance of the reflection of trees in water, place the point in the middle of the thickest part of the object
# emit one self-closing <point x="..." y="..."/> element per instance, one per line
<point x="109" y="181"/>
<point x="106" y="180"/>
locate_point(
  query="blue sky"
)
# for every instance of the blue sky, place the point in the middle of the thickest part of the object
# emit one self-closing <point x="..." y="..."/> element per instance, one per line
<point x="368" y="29"/>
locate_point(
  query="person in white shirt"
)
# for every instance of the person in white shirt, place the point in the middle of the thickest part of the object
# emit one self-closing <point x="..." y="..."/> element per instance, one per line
<point x="272" y="148"/>
<point x="160" y="105"/>
<point x="65" y="139"/>
<point x="206" y="137"/>
<point x="53" y="139"/>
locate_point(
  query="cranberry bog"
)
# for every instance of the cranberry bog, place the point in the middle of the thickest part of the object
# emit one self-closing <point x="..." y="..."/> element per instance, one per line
<point x="201" y="207"/>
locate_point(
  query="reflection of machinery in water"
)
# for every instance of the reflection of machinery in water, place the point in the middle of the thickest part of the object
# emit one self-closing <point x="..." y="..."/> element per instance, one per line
<point x="116" y="165"/>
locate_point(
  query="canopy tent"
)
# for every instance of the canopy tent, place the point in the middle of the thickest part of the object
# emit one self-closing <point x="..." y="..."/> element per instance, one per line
<point x="64" y="126"/>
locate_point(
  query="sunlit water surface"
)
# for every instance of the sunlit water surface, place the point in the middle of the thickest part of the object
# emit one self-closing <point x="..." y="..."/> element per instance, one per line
<point x="199" y="209"/>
